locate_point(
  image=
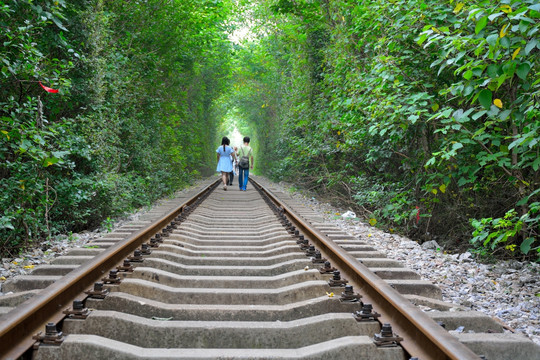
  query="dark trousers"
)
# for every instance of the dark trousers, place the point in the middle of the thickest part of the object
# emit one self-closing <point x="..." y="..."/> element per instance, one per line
<point x="231" y="178"/>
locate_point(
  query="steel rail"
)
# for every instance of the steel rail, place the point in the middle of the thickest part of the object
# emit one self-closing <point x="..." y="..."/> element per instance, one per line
<point x="18" y="326"/>
<point x="423" y="337"/>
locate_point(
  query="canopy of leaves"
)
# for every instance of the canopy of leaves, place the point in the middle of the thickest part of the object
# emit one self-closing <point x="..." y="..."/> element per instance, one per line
<point x="133" y="117"/>
<point x="422" y="114"/>
<point x="405" y="108"/>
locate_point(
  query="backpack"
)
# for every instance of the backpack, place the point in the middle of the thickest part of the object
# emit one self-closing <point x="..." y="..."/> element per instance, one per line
<point x="244" y="160"/>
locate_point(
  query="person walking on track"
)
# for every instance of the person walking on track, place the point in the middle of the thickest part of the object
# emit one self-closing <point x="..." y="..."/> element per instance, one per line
<point x="234" y="166"/>
<point x="245" y="154"/>
<point x="225" y="154"/>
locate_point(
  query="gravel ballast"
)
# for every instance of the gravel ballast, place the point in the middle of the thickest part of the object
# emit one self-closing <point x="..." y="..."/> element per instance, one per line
<point x="508" y="290"/>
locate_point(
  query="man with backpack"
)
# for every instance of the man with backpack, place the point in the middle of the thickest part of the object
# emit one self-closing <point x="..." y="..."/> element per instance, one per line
<point x="245" y="154"/>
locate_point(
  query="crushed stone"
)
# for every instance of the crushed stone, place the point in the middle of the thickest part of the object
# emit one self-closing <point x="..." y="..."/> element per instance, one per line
<point x="509" y="291"/>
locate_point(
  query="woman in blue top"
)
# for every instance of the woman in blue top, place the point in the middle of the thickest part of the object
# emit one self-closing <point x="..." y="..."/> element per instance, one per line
<point x="224" y="165"/>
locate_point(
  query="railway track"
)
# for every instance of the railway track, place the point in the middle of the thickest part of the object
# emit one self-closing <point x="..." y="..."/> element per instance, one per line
<point x="244" y="275"/>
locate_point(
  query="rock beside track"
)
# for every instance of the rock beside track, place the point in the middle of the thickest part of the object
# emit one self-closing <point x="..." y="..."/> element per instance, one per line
<point x="509" y="291"/>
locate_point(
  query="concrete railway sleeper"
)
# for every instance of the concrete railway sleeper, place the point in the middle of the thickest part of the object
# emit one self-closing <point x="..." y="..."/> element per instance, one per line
<point x="238" y="275"/>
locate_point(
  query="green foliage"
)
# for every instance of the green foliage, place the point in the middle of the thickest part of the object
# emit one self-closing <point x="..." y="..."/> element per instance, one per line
<point x="132" y="120"/>
<point x="399" y="105"/>
<point x="108" y="224"/>
<point x="423" y="113"/>
<point x="500" y="234"/>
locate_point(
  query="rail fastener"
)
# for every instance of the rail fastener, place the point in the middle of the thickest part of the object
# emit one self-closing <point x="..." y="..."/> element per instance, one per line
<point x="349" y="295"/>
<point x="51" y="337"/>
<point x="136" y="257"/>
<point x="113" y="278"/>
<point x="125" y="267"/>
<point x="317" y="258"/>
<point x="337" y="281"/>
<point x="77" y="311"/>
<point x="387" y="338"/>
<point x="310" y="251"/>
<point x="98" y="292"/>
<point x="145" y="249"/>
<point x="366" y="313"/>
<point x="327" y="269"/>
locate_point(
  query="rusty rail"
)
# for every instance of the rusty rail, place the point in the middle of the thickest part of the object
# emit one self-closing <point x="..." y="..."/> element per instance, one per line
<point x="423" y="337"/>
<point x="18" y="326"/>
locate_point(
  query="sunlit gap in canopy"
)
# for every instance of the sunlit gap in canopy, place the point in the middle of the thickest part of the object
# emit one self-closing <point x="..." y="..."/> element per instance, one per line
<point x="236" y="137"/>
<point x="244" y="23"/>
<point x="233" y="127"/>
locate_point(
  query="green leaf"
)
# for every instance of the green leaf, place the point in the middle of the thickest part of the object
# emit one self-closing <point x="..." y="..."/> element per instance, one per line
<point x="493" y="71"/>
<point x="525" y="246"/>
<point x="468" y="75"/>
<point x="421" y="39"/>
<point x="492" y="39"/>
<point x="523" y="26"/>
<point x="430" y="162"/>
<point x="413" y="118"/>
<point x="535" y="7"/>
<point x="5" y="223"/>
<point x="536" y="164"/>
<point x="522" y="70"/>
<point x="523" y="201"/>
<point x="477" y="71"/>
<point x="481" y="24"/>
<point x="494" y="16"/>
<point x="59" y="24"/>
<point x="462" y="181"/>
<point x="530" y="45"/>
<point x="50" y="161"/>
<point x="517" y="142"/>
<point x="504" y="115"/>
<point x="478" y="114"/>
<point x="484" y="97"/>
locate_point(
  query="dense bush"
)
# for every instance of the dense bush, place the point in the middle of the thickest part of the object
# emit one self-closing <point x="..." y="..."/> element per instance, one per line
<point x="425" y="113"/>
<point x="131" y="121"/>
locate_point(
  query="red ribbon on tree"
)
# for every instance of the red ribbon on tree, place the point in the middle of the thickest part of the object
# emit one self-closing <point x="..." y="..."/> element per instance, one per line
<point x="417" y="214"/>
<point x="48" y="89"/>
